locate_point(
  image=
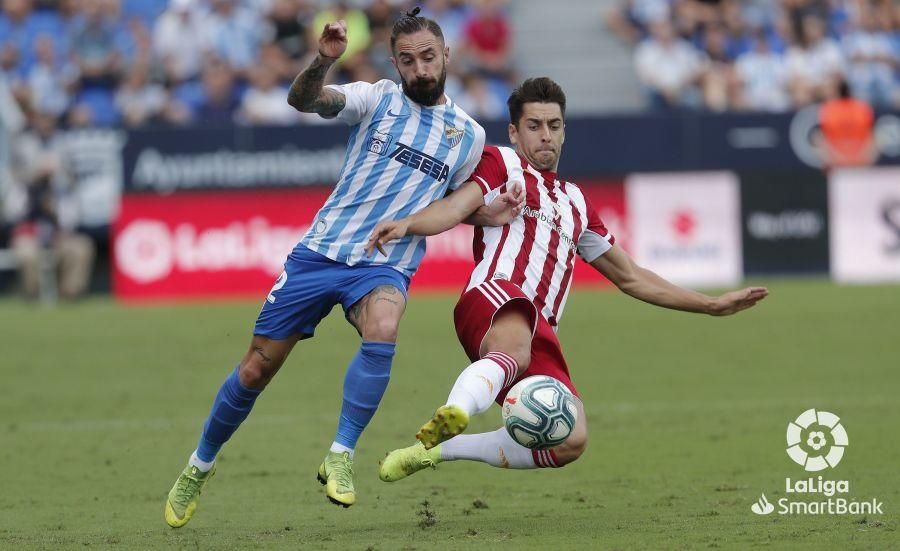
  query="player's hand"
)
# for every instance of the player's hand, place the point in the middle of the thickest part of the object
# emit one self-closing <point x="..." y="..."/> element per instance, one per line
<point x="333" y="42"/>
<point x="385" y="232"/>
<point x="735" y="301"/>
<point x="505" y="207"/>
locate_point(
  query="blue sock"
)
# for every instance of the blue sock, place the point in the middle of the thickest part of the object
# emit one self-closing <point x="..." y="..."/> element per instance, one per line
<point x="364" y="385"/>
<point x="232" y="405"/>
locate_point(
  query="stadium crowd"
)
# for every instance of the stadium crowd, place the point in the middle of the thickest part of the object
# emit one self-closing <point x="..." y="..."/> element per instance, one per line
<point x="762" y="55"/>
<point x="180" y="62"/>
<point x="82" y="64"/>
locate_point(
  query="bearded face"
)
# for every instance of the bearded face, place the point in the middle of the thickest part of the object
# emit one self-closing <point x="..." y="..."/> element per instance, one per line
<point x="425" y="90"/>
<point x="421" y="60"/>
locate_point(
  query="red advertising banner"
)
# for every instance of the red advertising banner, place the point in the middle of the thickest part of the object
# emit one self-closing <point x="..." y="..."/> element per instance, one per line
<point x="608" y="197"/>
<point x="233" y="243"/>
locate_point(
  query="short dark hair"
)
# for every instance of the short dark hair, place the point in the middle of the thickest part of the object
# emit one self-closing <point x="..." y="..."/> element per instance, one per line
<point x="539" y="90"/>
<point x="410" y="22"/>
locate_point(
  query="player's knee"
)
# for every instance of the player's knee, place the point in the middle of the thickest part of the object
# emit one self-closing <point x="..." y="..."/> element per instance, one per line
<point x="571" y="449"/>
<point x="382" y="329"/>
<point x="253" y="374"/>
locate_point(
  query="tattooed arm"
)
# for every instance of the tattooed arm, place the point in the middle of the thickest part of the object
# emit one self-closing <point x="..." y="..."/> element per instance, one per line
<point x="306" y="93"/>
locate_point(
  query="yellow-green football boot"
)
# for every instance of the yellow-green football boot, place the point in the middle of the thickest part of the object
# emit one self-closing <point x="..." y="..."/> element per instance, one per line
<point x="406" y="461"/>
<point x="447" y="422"/>
<point x="336" y="473"/>
<point x="183" y="496"/>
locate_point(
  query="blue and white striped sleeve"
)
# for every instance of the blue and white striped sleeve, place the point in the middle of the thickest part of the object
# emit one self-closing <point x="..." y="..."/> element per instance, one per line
<point x="361" y="98"/>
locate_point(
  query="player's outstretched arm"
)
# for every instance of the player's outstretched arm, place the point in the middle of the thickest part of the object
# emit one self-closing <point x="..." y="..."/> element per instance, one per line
<point x="444" y="214"/>
<point x="649" y="287"/>
<point x="501" y="211"/>
<point x="306" y="93"/>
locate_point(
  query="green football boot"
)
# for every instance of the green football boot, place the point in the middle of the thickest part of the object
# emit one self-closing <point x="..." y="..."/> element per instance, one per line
<point x="336" y="473"/>
<point x="183" y="496"/>
<point x="447" y="422"/>
<point x="406" y="461"/>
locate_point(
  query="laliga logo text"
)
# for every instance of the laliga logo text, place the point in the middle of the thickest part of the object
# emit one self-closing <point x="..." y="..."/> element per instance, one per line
<point x="816" y="441"/>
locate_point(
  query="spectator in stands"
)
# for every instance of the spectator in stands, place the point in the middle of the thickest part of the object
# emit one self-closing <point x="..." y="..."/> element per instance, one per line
<point x="233" y="34"/>
<point x="488" y="41"/>
<point x="12" y="121"/>
<point x="670" y="68"/>
<point x="45" y="212"/>
<point x="138" y="42"/>
<point x="871" y="59"/>
<point x="814" y="64"/>
<point x="178" y="41"/>
<point x="274" y="57"/>
<point x="847" y="130"/>
<point x="690" y="18"/>
<point x="451" y="17"/>
<point x="381" y="15"/>
<point x="51" y="80"/>
<point x="737" y="40"/>
<point x="359" y="38"/>
<point x="632" y="19"/>
<point x="478" y="100"/>
<point x="762" y="79"/>
<point x="95" y="41"/>
<point x="264" y="101"/>
<point x="219" y="99"/>
<point x="19" y="26"/>
<point x="717" y="81"/>
<point x="358" y="31"/>
<point x="139" y="100"/>
<point x="288" y="22"/>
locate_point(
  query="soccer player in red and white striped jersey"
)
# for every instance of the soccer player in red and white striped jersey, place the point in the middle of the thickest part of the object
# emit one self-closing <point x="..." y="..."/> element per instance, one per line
<point x="507" y="317"/>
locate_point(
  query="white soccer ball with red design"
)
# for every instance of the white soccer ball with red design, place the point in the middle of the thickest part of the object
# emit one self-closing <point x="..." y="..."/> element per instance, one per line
<point x="539" y="412"/>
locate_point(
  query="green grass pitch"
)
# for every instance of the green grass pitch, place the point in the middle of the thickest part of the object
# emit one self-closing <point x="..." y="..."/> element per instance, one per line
<point x="100" y="406"/>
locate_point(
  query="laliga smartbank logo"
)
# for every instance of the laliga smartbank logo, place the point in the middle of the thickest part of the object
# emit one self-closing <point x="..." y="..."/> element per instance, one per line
<point x="816" y="441"/>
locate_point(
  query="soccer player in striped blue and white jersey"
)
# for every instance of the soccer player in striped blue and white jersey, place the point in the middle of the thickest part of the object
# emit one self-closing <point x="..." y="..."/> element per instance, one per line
<point x="409" y="146"/>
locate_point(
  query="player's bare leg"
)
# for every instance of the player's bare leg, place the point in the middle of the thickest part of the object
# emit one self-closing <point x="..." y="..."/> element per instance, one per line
<point x="576" y="443"/>
<point x="232" y="405"/>
<point x="495" y="448"/>
<point x="505" y="353"/>
<point x="263" y="360"/>
<point x="376" y="318"/>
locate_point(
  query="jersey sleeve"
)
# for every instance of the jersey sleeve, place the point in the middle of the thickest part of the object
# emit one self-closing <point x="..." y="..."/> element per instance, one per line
<point x="595" y="240"/>
<point x="361" y="99"/>
<point x="462" y="175"/>
<point x="490" y="175"/>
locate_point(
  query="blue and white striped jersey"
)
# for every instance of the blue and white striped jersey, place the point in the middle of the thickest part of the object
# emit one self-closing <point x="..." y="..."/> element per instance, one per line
<point x="401" y="157"/>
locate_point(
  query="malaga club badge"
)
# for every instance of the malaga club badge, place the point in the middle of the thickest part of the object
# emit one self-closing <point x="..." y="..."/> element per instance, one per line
<point x="453" y="135"/>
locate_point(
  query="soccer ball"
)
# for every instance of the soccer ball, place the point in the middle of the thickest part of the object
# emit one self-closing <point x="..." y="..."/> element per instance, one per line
<point x="539" y="412"/>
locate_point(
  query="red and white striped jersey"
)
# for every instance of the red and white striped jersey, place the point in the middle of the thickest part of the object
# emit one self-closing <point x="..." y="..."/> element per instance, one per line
<point x="536" y="251"/>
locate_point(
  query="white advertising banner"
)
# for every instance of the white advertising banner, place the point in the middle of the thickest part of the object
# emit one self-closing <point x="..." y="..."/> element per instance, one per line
<point x="687" y="226"/>
<point x="864" y="207"/>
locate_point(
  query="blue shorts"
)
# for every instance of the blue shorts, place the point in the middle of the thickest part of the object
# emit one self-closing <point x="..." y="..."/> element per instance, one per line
<point x="311" y="285"/>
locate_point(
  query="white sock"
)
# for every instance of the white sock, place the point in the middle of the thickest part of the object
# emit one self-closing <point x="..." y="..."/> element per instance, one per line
<point x="479" y="384"/>
<point x="497" y="448"/>
<point x="340" y="448"/>
<point x="195" y="461"/>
